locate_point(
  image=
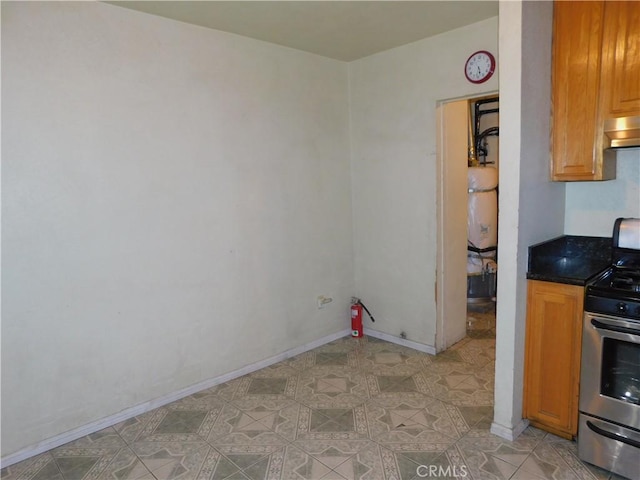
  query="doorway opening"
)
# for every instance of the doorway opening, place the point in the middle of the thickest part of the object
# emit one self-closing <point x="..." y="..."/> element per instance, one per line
<point x="467" y="258"/>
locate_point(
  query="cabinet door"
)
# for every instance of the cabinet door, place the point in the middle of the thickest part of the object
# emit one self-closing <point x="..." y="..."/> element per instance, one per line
<point x="620" y="74"/>
<point x="577" y="47"/>
<point x="552" y="356"/>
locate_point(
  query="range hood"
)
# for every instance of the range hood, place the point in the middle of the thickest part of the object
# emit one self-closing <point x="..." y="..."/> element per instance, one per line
<point x="622" y="132"/>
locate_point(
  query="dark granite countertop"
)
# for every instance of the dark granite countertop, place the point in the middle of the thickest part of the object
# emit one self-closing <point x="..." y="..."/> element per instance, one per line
<point x="569" y="259"/>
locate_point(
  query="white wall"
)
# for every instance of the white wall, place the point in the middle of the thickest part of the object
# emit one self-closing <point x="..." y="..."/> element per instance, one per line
<point x="394" y="95"/>
<point x="174" y="199"/>
<point x="592" y="207"/>
<point x="531" y="207"/>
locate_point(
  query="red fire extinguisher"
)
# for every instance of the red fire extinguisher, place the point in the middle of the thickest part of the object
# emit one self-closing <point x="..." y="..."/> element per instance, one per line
<point x="356" y="317"/>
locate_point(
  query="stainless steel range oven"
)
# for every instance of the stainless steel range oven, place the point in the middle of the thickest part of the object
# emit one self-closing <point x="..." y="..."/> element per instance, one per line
<point x="609" y="425"/>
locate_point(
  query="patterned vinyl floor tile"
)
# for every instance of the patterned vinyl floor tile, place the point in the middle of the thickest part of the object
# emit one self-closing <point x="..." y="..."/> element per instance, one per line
<point x="353" y="409"/>
<point x="411" y="461"/>
<point x="332" y="422"/>
<point x="398" y="386"/>
<point x="126" y="466"/>
<point x="131" y="429"/>
<point x="485" y="466"/>
<point x="176" y="460"/>
<point x="467" y="418"/>
<point x="297" y="464"/>
<point x="461" y="386"/>
<point x="83" y="462"/>
<point x="245" y="427"/>
<point x="557" y="459"/>
<point x="179" y="422"/>
<point x="423" y="420"/>
<point x="482" y="439"/>
<point x="386" y="362"/>
<point x="106" y="438"/>
<point x="332" y="387"/>
<point x="334" y="360"/>
<point x="214" y="396"/>
<point x="278" y="416"/>
<point x="39" y="467"/>
<point x="344" y="345"/>
<point x="568" y="450"/>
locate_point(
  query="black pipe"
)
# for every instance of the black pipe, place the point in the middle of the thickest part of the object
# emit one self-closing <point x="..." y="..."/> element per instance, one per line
<point x="477" y="135"/>
<point x="489" y="132"/>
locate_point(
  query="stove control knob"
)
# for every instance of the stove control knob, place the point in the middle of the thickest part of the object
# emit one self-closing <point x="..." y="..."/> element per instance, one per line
<point x="622" y="307"/>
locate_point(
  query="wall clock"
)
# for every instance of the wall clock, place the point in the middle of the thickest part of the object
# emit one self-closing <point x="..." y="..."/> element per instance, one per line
<point x="480" y="66"/>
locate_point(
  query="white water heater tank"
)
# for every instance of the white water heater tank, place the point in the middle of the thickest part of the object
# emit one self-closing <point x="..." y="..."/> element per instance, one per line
<point x="482" y="219"/>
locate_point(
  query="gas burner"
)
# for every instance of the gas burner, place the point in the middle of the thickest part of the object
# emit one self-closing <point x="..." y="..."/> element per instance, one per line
<point x="623" y="279"/>
<point x="616" y="291"/>
<point x="626" y="282"/>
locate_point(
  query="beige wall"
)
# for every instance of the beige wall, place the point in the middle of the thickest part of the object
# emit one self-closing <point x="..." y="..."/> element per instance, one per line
<point x="394" y="96"/>
<point x="592" y="207"/>
<point x="174" y="200"/>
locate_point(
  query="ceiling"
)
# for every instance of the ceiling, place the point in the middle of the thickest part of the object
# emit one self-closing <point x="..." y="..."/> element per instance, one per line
<point x="343" y="30"/>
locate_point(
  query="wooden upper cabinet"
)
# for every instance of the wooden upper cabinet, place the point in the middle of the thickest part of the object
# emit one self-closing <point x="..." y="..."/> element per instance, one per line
<point x="595" y="79"/>
<point x="577" y="55"/>
<point x="620" y="77"/>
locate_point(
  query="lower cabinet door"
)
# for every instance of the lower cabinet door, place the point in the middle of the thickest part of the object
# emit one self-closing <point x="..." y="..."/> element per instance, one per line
<point x="552" y="356"/>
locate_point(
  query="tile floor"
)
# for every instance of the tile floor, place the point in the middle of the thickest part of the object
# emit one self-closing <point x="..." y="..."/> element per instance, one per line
<point x="351" y="409"/>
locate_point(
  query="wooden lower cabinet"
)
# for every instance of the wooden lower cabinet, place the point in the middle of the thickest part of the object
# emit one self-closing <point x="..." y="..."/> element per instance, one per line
<point x="552" y="356"/>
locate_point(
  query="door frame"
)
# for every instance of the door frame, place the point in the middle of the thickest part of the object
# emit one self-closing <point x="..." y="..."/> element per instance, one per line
<point x="451" y="257"/>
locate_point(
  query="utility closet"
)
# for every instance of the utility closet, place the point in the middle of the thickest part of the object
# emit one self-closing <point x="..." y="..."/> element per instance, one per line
<point x="482" y="220"/>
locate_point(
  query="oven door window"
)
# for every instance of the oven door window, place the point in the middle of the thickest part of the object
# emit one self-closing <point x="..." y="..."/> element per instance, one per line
<point x="620" y="370"/>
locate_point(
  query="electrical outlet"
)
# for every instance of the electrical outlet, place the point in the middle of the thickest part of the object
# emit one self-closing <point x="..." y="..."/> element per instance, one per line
<point x="323" y="300"/>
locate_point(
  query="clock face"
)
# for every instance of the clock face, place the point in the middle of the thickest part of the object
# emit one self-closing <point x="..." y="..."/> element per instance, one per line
<point x="480" y="66"/>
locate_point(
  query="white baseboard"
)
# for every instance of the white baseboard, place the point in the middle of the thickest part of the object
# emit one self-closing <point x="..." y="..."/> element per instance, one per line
<point x="431" y="350"/>
<point x="136" y="410"/>
<point x="507" y="432"/>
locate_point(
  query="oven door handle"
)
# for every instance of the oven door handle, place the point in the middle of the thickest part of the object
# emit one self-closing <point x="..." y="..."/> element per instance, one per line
<point x="607" y="325"/>
<point x="612" y="435"/>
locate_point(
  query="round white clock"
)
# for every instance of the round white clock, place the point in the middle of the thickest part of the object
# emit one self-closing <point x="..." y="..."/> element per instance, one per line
<point x="480" y="66"/>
